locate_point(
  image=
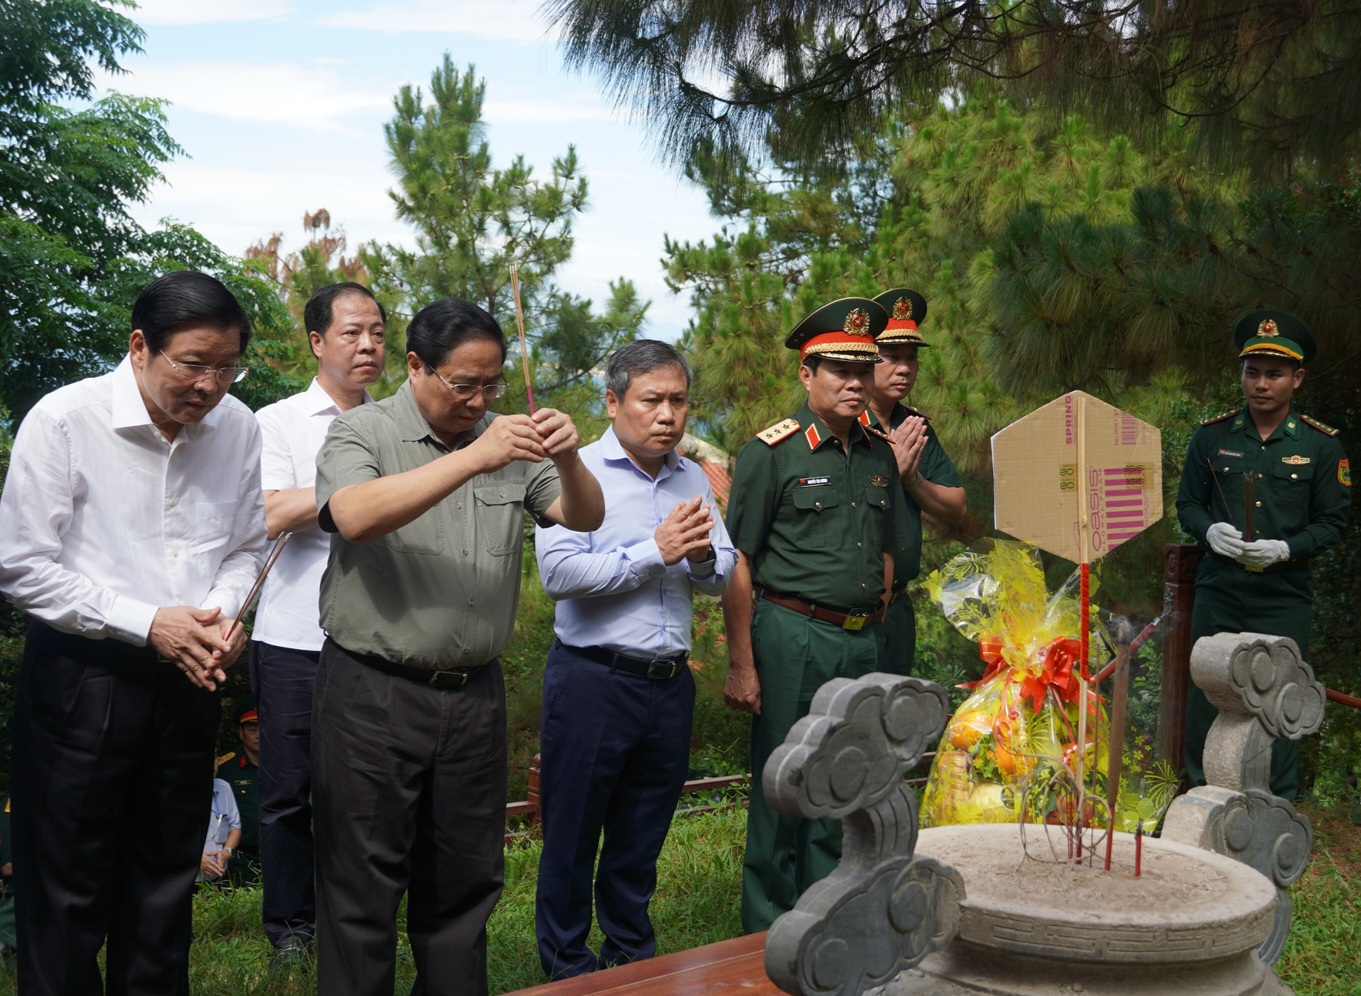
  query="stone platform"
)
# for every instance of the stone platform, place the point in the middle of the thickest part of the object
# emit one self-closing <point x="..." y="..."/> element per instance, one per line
<point x="1190" y="925"/>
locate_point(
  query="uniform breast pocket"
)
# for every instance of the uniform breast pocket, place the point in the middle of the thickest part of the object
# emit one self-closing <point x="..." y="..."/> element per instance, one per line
<point x="817" y="516"/>
<point x="877" y="498"/>
<point x="423" y="536"/>
<point x="1291" y="484"/>
<point x="500" y="517"/>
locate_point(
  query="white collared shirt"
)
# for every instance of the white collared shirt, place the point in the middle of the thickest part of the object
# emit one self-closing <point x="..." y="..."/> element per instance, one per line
<point x="102" y="521"/>
<point x="292" y="432"/>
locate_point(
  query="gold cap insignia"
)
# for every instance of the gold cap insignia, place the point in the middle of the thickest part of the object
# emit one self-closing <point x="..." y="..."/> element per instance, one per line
<point x="902" y="309"/>
<point x="1268" y="330"/>
<point x="857" y="323"/>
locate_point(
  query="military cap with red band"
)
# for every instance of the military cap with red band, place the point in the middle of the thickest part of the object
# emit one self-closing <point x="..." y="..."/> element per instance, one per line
<point x="906" y="308"/>
<point x="1274" y="333"/>
<point x="842" y="330"/>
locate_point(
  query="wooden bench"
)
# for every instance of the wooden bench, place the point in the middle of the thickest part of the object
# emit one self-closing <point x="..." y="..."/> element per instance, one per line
<point x="728" y="968"/>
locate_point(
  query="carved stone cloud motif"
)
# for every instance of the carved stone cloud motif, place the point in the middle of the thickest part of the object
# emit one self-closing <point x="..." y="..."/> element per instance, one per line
<point x="1263" y="690"/>
<point x="882" y="910"/>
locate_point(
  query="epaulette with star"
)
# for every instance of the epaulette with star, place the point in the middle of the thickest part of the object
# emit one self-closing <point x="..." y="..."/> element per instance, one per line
<point x="916" y="411"/>
<point x="1327" y="430"/>
<point x="781" y="430"/>
<point x="1220" y="418"/>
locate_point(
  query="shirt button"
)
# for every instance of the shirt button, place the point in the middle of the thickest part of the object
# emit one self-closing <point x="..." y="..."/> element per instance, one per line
<point x="465" y="551"/>
<point x="1293" y="477"/>
<point x="472" y="601"/>
<point x="174" y="553"/>
<point x="459" y="504"/>
<point x="852" y="504"/>
<point x="817" y="504"/>
<point x="860" y="546"/>
<point x="862" y="587"/>
<point x="1258" y="504"/>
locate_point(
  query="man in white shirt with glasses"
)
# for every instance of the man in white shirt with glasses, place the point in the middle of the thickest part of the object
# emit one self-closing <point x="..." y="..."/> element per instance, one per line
<point x="131" y="530"/>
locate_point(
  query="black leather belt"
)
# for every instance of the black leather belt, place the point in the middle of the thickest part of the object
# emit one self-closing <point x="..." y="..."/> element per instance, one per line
<point x="657" y="669"/>
<point x="846" y="620"/>
<point x="446" y="679"/>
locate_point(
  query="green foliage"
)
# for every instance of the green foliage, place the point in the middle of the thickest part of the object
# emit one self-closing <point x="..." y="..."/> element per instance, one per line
<point x="1266" y="83"/>
<point x="474" y="223"/>
<point x="71" y="258"/>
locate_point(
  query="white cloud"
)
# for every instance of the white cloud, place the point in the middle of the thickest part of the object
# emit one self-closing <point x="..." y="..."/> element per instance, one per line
<point x="207" y="11"/>
<point x="318" y="99"/>
<point x="504" y="20"/>
<point x="542" y="110"/>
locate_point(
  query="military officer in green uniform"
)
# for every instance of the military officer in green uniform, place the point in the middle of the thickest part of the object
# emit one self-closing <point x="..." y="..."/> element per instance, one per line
<point x="242" y="773"/>
<point x="812" y="516"/>
<point x="1263" y="490"/>
<point x="930" y="483"/>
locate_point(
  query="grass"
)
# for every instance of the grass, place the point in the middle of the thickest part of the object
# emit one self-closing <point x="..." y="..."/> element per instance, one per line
<point x="697" y="903"/>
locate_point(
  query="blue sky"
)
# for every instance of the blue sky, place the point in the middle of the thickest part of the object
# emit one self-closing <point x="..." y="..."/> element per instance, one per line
<point x="280" y="107"/>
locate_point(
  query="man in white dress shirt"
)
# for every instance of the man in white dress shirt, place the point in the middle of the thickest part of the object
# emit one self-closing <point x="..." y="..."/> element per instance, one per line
<point x="345" y="327"/>
<point x="131" y="529"/>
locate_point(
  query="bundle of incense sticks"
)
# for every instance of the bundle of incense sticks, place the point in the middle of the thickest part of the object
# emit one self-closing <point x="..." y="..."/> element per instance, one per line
<point x="520" y="327"/>
<point x="254" y="593"/>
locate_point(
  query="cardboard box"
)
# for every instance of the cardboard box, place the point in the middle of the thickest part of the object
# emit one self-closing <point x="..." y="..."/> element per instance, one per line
<point x="1077" y="477"/>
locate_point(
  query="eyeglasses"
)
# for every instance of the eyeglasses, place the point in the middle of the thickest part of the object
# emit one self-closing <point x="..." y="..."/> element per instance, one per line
<point x="197" y="371"/>
<point x="465" y="391"/>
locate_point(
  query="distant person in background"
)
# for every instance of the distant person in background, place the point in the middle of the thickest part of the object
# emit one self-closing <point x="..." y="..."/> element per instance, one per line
<point x="930" y="483"/>
<point x="618" y="696"/>
<point x="224" y="833"/>
<point x="347" y="332"/>
<point x="131" y="529"/>
<point x="241" y="771"/>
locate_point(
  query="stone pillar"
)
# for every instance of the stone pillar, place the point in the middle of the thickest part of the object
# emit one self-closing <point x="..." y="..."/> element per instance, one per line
<point x="1263" y="690"/>
<point x="1180" y="561"/>
<point x="882" y="910"/>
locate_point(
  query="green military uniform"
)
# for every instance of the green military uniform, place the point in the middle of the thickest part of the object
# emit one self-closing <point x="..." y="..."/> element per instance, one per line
<point x="814" y="522"/>
<point x="1301" y="484"/>
<point x="900" y="622"/>
<point x="243" y="777"/>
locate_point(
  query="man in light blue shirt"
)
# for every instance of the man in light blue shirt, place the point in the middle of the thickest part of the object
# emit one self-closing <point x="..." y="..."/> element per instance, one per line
<point x="618" y="694"/>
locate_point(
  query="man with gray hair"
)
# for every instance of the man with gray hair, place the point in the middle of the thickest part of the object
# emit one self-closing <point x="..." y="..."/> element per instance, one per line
<point x="618" y="695"/>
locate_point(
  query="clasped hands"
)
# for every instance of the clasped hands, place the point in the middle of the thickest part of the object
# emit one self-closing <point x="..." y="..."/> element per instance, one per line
<point x="547" y="434"/>
<point x="1227" y="541"/>
<point x="685" y="532"/>
<point x="195" y="641"/>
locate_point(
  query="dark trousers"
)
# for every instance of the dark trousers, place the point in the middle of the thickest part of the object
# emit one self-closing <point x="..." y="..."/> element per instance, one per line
<point x="795" y="656"/>
<point x="614" y="751"/>
<point x="1232" y="600"/>
<point x="113" y="777"/>
<point x="409" y="796"/>
<point x="284" y="680"/>
<point x="900" y="636"/>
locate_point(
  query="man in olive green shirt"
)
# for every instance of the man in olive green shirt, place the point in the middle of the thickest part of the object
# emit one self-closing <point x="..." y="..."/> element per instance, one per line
<point x="1255" y="575"/>
<point x="426" y="492"/>
<point x="929" y="481"/>
<point x="812" y="516"/>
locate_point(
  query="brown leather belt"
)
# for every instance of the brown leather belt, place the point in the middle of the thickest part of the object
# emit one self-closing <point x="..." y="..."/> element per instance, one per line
<point x="846" y="620"/>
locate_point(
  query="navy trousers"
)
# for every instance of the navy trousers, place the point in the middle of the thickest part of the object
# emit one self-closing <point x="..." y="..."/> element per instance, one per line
<point x="113" y="776"/>
<point x="283" y="680"/>
<point x="614" y="749"/>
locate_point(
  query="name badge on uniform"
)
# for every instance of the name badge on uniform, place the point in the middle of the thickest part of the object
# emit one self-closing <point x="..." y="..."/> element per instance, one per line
<point x="879" y="480"/>
<point x="1230" y="453"/>
<point x="813" y="482"/>
<point x="1295" y="460"/>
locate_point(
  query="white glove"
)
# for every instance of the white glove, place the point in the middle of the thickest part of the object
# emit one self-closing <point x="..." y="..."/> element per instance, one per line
<point x="1225" y="540"/>
<point x="1264" y="553"/>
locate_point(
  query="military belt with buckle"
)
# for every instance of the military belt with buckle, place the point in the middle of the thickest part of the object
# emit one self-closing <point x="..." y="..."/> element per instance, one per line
<point x="851" y="620"/>
<point x="654" y="669"/>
